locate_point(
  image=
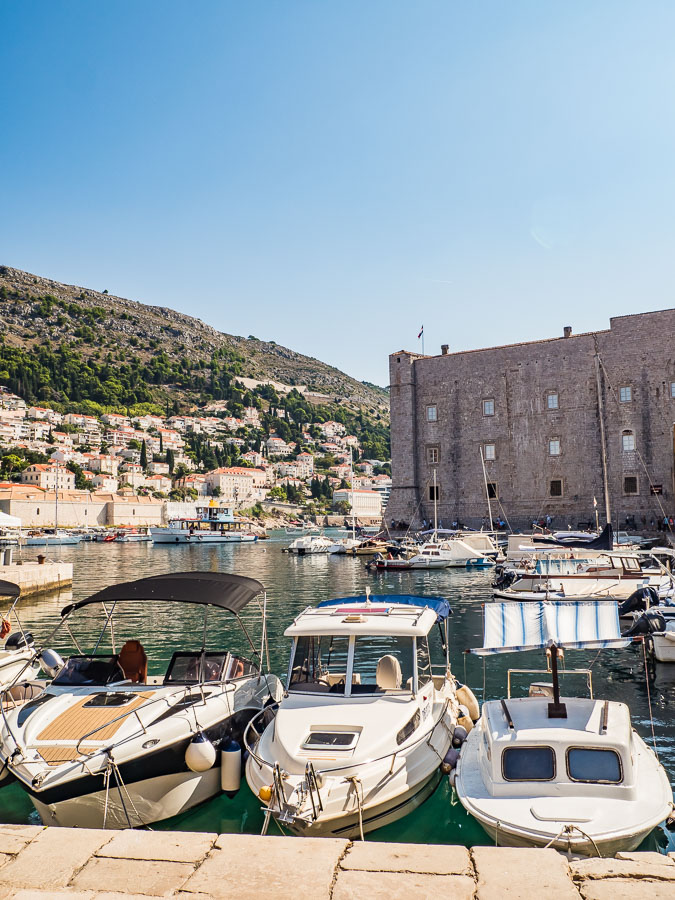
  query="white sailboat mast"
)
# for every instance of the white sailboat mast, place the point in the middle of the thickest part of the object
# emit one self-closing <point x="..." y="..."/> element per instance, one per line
<point x="487" y="492"/>
<point x="435" y="508"/>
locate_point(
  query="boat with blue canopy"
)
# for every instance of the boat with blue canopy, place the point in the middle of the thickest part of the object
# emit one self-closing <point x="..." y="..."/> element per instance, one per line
<point x="367" y="719"/>
<point x="547" y="771"/>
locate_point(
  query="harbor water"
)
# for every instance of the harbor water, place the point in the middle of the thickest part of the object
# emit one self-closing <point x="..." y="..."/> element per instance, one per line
<point x="292" y="584"/>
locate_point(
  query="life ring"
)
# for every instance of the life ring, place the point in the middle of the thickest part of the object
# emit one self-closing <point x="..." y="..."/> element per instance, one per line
<point x="5" y="628"/>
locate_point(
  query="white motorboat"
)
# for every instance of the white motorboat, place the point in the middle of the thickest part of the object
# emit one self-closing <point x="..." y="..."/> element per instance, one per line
<point x="107" y="745"/>
<point x="366" y="722"/>
<point x="53" y="538"/>
<point x="133" y="536"/>
<point x="664" y="643"/>
<point x="211" y="525"/>
<point x="19" y="658"/>
<point x="309" y="544"/>
<point x="613" y="575"/>
<point x="566" y="773"/>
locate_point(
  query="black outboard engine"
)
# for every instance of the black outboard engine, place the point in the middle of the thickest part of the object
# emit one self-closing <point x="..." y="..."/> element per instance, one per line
<point x="504" y="578"/>
<point x="651" y="622"/>
<point x="18" y="640"/>
<point x="640" y="600"/>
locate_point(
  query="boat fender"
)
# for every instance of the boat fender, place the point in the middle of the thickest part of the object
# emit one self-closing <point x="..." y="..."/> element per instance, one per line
<point x="265" y="793"/>
<point x="467" y="698"/>
<point x="459" y="735"/>
<point x="465" y="722"/>
<point x="200" y="754"/>
<point x="452" y="777"/>
<point x="230" y="768"/>
<point x="51" y="662"/>
<point x="449" y="761"/>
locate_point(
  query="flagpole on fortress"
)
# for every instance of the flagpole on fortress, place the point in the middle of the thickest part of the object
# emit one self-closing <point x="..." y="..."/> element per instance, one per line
<point x="421" y="335"/>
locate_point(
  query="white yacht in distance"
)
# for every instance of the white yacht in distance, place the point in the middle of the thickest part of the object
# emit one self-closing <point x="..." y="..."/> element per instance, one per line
<point x="568" y="773"/>
<point x="308" y="544"/>
<point x="211" y="525"/>
<point x="359" y="736"/>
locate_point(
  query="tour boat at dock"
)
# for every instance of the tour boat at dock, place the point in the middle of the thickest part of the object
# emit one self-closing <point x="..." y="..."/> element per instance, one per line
<point x="211" y="525"/>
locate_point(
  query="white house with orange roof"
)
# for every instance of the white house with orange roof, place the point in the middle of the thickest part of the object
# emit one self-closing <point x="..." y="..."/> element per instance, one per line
<point x="306" y="462"/>
<point x="237" y="483"/>
<point x="278" y="447"/>
<point x="332" y="429"/>
<point x="48" y="476"/>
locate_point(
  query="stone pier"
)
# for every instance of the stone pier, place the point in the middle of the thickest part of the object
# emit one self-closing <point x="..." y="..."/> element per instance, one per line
<point x="83" y="864"/>
<point x="34" y="578"/>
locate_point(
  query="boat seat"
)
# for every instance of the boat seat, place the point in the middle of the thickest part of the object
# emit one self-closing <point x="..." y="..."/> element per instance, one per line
<point x="134" y="662"/>
<point x="388" y="673"/>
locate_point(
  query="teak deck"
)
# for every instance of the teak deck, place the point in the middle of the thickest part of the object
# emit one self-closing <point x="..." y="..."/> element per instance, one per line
<point x="76" y="721"/>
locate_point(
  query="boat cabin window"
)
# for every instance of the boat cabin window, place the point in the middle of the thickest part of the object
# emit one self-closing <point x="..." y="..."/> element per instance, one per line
<point x="528" y="764"/>
<point x="630" y="564"/>
<point x="320" y="663"/>
<point x="423" y="661"/>
<point x="186" y="668"/>
<point x="594" y="764"/>
<point x="330" y="740"/>
<point x="382" y="663"/>
<point x="86" y="670"/>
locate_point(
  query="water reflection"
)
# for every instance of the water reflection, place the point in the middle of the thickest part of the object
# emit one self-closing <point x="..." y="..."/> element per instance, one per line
<point x="293" y="583"/>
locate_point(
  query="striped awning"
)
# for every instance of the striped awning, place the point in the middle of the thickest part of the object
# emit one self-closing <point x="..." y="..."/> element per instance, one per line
<point x="533" y="625"/>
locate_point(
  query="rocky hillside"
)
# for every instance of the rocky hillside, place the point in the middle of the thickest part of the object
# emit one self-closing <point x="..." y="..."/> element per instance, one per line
<point x="35" y="311"/>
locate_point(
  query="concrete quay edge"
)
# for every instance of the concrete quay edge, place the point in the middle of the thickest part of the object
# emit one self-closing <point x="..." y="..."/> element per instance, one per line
<point x="86" y="864"/>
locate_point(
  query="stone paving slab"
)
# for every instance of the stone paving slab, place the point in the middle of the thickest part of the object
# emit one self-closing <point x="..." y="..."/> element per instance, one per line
<point x="624" y="868"/>
<point x="180" y="846"/>
<point x="627" y="889"/>
<point x="511" y="873"/>
<point x="144" y="876"/>
<point x="357" y="885"/>
<point x="247" y="866"/>
<point x="52" y="858"/>
<point x="437" y="859"/>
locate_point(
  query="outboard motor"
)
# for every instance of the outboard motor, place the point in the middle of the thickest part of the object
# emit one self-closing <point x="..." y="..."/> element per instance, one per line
<point x="18" y="640"/>
<point x="651" y="622"/>
<point x="504" y="578"/>
<point x="641" y="599"/>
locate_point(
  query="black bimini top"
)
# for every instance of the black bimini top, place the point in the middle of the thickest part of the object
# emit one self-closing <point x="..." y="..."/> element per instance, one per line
<point x="9" y="589"/>
<point x="231" y="592"/>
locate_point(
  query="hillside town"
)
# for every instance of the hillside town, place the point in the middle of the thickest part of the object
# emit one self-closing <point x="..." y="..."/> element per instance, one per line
<point x="116" y="469"/>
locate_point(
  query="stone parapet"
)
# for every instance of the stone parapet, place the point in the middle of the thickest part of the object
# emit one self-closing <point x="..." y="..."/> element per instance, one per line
<point x="85" y="864"/>
<point x="34" y="578"/>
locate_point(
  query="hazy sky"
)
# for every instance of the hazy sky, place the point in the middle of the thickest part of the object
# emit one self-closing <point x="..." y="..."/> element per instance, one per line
<point x="331" y="175"/>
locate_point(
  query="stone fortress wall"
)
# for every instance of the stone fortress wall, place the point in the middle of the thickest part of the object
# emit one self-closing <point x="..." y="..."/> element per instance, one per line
<point x="587" y="373"/>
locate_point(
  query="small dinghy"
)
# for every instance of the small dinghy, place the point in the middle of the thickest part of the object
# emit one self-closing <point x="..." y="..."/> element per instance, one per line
<point x="359" y="739"/>
<point x="108" y="745"/>
<point x="568" y="773"/>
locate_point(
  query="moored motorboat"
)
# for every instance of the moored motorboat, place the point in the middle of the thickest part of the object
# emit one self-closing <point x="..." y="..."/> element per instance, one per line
<point x="568" y="773"/>
<point x="366" y="722"/>
<point x="210" y="525"/>
<point x="309" y="544"/>
<point x="108" y="745"/>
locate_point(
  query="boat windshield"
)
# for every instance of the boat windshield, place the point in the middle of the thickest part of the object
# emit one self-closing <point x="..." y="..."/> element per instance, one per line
<point x="320" y="663"/>
<point x="382" y="663"/>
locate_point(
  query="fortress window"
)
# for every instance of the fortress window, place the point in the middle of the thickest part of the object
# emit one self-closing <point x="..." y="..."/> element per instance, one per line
<point x="492" y="490"/>
<point x="434" y="492"/>
<point x="432" y="414"/>
<point x="626" y="394"/>
<point x="432" y="455"/>
<point x="672" y="388"/>
<point x="489" y="451"/>
<point x="554" y="447"/>
<point x="552" y="401"/>
<point x="630" y="484"/>
<point x="489" y="407"/>
<point x="628" y="441"/>
<point x="556" y="488"/>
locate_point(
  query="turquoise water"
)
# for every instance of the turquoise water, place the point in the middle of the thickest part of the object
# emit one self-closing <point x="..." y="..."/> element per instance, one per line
<point x="292" y="584"/>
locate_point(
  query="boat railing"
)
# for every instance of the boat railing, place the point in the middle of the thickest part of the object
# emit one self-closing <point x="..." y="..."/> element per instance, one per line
<point x="587" y="672"/>
<point x="261" y="761"/>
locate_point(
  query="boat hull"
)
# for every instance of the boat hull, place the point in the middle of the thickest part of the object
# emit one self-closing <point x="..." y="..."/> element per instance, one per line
<point x="664" y="646"/>
<point x="163" y="536"/>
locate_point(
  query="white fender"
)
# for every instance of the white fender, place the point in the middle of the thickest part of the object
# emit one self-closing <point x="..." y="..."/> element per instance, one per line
<point x="467" y="698"/>
<point x="200" y="754"/>
<point x="230" y="768"/>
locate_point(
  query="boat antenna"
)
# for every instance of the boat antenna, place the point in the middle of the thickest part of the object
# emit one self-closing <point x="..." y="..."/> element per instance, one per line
<point x="556" y="710"/>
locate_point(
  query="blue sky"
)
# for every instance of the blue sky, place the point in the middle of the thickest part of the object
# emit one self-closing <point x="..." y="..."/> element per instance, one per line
<point x="333" y="175"/>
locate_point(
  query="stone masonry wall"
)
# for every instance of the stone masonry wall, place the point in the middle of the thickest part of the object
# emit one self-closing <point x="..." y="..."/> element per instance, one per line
<point x="637" y="351"/>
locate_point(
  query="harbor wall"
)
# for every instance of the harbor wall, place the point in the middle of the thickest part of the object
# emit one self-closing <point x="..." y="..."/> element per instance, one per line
<point x="587" y="373"/>
<point x="34" y="578"/>
<point x="38" y="862"/>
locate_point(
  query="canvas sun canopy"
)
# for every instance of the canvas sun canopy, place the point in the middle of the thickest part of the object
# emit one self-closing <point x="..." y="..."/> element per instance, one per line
<point x="533" y="625"/>
<point x="231" y="592"/>
<point x="439" y="604"/>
